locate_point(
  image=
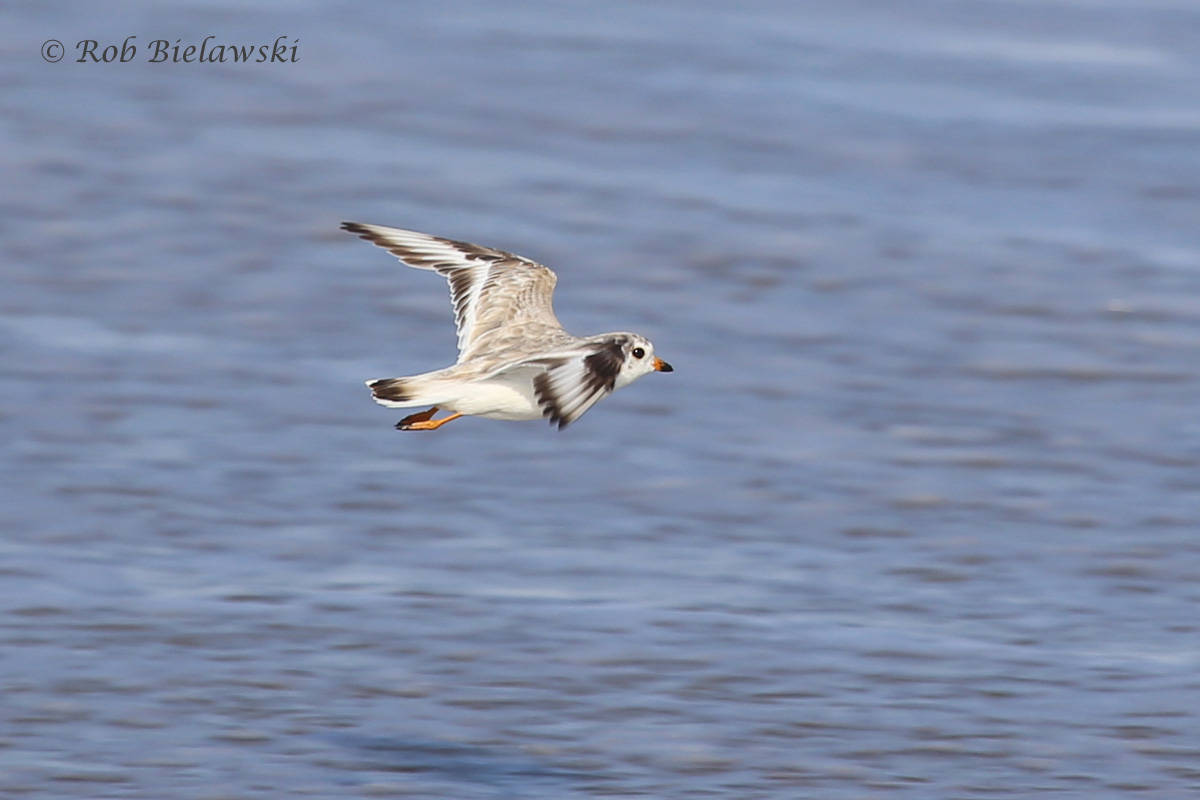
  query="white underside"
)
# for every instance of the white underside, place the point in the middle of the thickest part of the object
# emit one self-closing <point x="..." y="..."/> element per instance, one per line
<point x="508" y="397"/>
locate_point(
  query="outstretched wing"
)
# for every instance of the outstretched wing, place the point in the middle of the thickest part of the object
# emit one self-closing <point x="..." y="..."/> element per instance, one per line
<point x="569" y="385"/>
<point x="489" y="289"/>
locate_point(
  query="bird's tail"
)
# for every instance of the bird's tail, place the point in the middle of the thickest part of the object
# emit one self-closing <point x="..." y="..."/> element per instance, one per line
<point x="418" y="390"/>
<point x="391" y="391"/>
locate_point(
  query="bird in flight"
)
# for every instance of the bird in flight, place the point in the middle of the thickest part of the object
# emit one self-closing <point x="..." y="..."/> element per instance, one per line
<point x="515" y="361"/>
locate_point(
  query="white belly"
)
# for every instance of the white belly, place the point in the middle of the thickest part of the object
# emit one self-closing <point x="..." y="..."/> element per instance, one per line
<point x="496" y="399"/>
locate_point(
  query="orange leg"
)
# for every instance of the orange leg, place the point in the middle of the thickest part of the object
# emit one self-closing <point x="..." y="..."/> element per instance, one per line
<point x="424" y="421"/>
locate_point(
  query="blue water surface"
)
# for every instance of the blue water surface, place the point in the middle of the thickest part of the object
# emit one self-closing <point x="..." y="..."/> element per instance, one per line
<point x="915" y="516"/>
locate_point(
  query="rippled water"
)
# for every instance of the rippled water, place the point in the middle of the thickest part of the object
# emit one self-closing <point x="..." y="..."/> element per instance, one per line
<point x="914" y="517"/>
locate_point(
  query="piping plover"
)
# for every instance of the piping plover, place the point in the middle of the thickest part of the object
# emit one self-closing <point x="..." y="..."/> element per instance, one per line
<point x="514" y="359"/>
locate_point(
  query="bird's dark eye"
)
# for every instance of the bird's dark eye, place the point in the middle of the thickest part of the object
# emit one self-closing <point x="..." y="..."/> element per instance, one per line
<point x="638" y="352"/>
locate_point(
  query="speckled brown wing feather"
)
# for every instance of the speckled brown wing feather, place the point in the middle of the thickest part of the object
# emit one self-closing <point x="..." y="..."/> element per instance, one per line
<point x="499" y="298"/>
<point x="570" y="385"/>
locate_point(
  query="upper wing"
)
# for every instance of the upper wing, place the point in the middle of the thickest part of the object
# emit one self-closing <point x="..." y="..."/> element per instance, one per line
<point x="569" y="384"/>
<point x="489" y="289"/>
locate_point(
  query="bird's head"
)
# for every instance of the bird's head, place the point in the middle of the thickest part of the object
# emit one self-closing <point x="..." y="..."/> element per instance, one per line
<point x="638" y="359"/>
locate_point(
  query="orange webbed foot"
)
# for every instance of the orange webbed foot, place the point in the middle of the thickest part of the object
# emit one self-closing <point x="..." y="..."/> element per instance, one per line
<point x="424" y="421"/>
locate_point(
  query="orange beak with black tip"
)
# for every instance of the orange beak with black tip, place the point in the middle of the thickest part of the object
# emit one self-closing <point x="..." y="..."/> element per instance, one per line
<point x="662" y="366"/>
